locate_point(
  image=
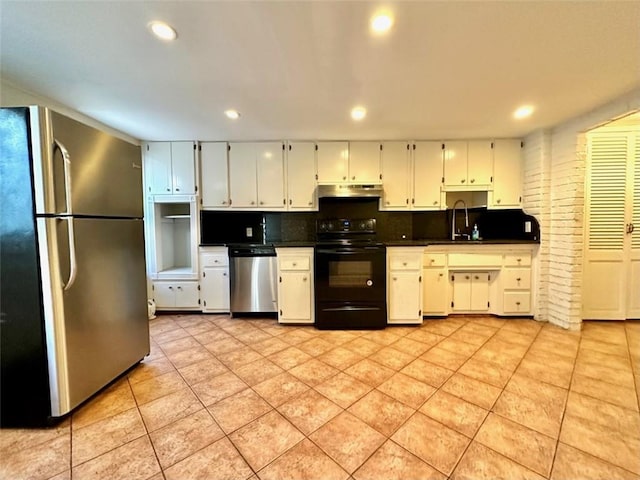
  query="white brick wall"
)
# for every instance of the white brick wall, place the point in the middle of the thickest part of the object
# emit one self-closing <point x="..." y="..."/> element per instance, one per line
<point x="554" y="194"/>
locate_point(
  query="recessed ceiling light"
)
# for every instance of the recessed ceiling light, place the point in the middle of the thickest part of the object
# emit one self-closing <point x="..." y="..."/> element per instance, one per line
<point x="358" y="113"/>
<point x="163" y="30"/>
<point x="232" y="114"/>
<point x="381" y="23"/>
<point x="523" y="112"/>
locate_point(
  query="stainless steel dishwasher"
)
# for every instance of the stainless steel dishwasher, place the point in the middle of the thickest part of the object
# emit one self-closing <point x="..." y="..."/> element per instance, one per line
<point x="253" y="279"/>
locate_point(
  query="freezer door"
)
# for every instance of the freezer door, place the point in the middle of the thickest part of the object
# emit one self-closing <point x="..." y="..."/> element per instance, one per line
<point x="97" y="327"/>
<point x="104" y="173"/>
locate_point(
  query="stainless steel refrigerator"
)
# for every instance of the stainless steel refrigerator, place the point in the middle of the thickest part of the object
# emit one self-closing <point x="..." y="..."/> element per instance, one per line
<point x="73" y="300"/>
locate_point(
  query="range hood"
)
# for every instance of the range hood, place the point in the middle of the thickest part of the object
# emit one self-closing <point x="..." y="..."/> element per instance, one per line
<point x="348" y="190"/>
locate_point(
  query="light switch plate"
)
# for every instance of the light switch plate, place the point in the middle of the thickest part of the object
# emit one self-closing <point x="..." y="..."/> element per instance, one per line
<point x="249" y="231"/>
<point x="527" y="226"/>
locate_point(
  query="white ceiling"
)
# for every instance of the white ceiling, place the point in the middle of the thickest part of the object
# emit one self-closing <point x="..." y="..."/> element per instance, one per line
<point x="295" y="69"/>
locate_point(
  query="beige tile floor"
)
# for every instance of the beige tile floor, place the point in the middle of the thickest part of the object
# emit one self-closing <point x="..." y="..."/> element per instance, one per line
<point x="464" y="397"/>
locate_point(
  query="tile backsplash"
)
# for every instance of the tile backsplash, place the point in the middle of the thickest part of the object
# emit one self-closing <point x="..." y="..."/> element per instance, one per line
<point x="228" y="227"/>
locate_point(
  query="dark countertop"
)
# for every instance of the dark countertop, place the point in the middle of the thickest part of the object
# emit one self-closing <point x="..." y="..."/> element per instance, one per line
<point x="426" y="242"/>
<point x="423" y="242"/>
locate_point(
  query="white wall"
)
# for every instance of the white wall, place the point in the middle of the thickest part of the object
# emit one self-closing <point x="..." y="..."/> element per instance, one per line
<point x="554" y="193"/>
<point x="12" y="95"/>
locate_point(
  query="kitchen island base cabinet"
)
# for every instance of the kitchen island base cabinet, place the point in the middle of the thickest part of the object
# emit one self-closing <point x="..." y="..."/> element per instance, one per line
<point x="295" y="285"/>
<point x="176" y="295"/>
<point x="404" y="285"/>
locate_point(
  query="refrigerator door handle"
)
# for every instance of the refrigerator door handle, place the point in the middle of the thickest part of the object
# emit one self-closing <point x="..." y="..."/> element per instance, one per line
<point x="73" y="265"/>
<point x="66" y="159"/>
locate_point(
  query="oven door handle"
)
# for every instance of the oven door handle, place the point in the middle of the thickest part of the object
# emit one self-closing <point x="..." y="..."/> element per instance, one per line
<point x="351" y="309"/>
<point x="341" y="251"/>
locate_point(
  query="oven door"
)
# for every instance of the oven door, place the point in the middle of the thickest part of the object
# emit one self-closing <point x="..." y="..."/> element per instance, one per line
<point x="350" y="274"/>
<point x="350" y="288"/>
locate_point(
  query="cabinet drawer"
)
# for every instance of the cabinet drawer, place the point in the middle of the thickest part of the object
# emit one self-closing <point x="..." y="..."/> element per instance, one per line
<point x="516" y="278"/>
<point x="517" y="259"/>
<point x="434" y="259"/>
<point x="214" y="260"/>
<point x="517" y="302"/>
<point x="405" y="262"/>
<point x="294" y="263"/>
<point x="485" y="260"/>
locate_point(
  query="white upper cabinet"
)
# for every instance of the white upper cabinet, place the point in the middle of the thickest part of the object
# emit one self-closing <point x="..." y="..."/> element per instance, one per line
<point x="468" y="165"/>
<point x="270" y="161"/>
<point x="427" y="176"/>
<point x="396" y="175"/>
<point x="256" y="175"/>
<point x="333" y="162"/>
<point x="480" y="163"/>
<point x="364" y="162"/>
<point x="242" y="175"/>
<point x="507" y="178"/>
<point x="170" y="168"/>
<point x="301" y="176"/>
<point x="214" y="172"/>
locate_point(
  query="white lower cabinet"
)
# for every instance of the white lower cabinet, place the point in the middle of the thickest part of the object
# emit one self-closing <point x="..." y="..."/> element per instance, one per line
<point x="404" y="285"/>
<point x="516" y="284"/>
<point x="214" y="279"/>
<point x="434" y="284"/>
<point x="176" y="295"/>
<point x="470" y="291"/>
<point x="295" y="285"/>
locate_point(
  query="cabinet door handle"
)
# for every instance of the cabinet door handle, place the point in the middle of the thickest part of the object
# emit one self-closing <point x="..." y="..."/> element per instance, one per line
<point x="290" y="201"/>
<point x="413" y="201"/>
<point x="252" y="202"/>
<point x="518" y="303"/>
<point x="310" y="203"/>
<point x="168" y="189"/>
<point x="294" y="264"/>
<point x="476" y="277"/>
<point x="179" y="288"/>
<point x="462" y="181"/>
<point x="344" y="178"/>
<point x="224" y="202"/>
<point x="404" y="264"/>
<point x="177" y="189"/>
<point x="442" y="274"/>
<point x="304" y="279"/>
<point x="498" y="201"/>
<point x="170" y="288"/>
<point x="435" y="202"/>
<point x="261" y="202"/>
<point x="466" y="277"/>
<point x="472" y="180"/>
<point x="518" y="280"/>
<point x="224" y="274"/>
<point x="394" y="279"/>
<point x="387" y="202"/>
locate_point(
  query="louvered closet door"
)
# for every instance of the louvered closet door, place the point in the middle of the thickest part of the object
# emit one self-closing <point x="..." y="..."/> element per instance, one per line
<point x="604" y="293"/>
<point x="633" y="303"/>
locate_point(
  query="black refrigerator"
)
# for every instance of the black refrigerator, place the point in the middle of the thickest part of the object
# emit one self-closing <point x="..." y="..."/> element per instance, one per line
<point x="73" y="308"/>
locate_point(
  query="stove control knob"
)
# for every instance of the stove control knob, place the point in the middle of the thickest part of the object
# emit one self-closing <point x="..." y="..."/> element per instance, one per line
<point x="363" y="226"/>
<point x="369" y="283"/>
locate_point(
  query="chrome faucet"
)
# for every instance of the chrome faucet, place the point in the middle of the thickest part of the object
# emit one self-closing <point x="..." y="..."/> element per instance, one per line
<point x="454" y="235"/>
